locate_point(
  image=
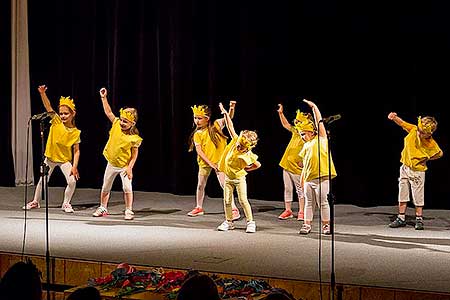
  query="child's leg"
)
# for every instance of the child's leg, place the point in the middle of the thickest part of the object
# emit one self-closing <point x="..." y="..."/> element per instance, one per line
<point x="309" y="201"/>
<point x="241" y="188"/>
<point x="203" y="174"/>
<point x="404" y="186"/>
<point x="38" y="191"/>
<point x="288" y="190"/>
<point x="108" y="179"/>
<point x="298" y="188"/>
<point x="324" y="205"/>
<point x="227" y="199"/>
<point x="127" y="190"/>
<point x="221" y="179"/>
<point x="66" y="168"/>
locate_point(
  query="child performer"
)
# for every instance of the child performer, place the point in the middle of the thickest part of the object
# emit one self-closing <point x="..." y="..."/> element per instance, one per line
<point x="315" y="175"/>
<point x="290" y="164"/>
<point x="121" y="152"/>
<point x="237" y="159"/>
<point x="62" y="148"/>
<point x="419" y="147"/>
<point x="209" y="142"/>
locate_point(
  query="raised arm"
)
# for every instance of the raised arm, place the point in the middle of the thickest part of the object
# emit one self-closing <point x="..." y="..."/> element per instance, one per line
<point x="393" y="117"/>
<point x="106" y="107"/>
<point x="45" y="100"/>
<point x="228" y="121"/>
<point x="232" y="108"/>
<point x="317" y="118"/>
<point x="283" y="119"/>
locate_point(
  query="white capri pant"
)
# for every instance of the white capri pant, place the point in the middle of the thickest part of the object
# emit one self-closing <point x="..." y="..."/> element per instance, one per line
<point x="110" y="174"/>
<point x="290" y="181"/>
<point x="414" y="180"/>
<point x="317" y="190"/>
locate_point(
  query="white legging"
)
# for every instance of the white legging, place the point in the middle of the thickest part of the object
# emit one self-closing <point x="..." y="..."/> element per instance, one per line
<point x="317" y="190"/>
<point x="66" y="168"/>
<point x="201" y="184"/>
<point x="290" y="180"/>
<point x="110" y="174"/>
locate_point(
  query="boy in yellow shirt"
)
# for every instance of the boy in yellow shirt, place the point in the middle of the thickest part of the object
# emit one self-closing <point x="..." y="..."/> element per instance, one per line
<point x="62" y="148"/>
<point x="419" y="147"/>
<point x="121" y="152"/>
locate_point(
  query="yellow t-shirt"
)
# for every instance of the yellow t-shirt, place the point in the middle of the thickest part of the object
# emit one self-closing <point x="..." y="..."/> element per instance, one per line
<point x="233" y="162"/>
<point x="213" y="153"/>
<point x="417" y="151"/>
<point x="60" y="141"/>
<point x="118" y="148"/>
<point x="310" y="159"/>
<point x="290" y="159"/>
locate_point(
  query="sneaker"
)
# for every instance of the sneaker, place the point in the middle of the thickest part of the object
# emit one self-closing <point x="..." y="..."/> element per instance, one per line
<point x="236" y="214"/>
<point x="305" y="229"/>
<point x="67" y="207"/>
<point x="397" y="223"/>
<point x="198" y="211"/>
<point x="251" y="227"/>
<point x="300" y="216"/>
<point x="419" y="225"/>
<point x="225" y="226"/>
<point x="326" y="229"/>
<point x="129" y="214"/>
<point x="287" y="214"/>
<point x="100" y="212"/>
<point x="31" y="205"/>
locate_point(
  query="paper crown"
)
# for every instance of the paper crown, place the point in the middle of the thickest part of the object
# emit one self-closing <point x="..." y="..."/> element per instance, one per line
<point x="301" y="116"/>
<point x="307" y="125"/>
<point x="426" y="128"/>
<point x="198" y="110"/>
<point x="126" y="114"/>
<point x="67" y="102"/>
<point x="245" y="142"/>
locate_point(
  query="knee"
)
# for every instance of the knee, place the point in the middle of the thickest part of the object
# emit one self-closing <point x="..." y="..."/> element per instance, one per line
<point x="71" y="182"/>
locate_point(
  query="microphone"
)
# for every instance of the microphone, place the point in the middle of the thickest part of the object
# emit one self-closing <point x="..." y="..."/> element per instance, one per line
<point x="331" y="119"/>
<point x="41" y="116"/>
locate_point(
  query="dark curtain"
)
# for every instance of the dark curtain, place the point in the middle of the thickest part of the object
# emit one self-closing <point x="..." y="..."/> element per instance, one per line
<point x="361" y="60"/>
<point x="7" y="166"/>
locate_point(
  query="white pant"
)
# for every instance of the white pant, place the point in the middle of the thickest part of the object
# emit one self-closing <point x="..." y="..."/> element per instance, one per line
<point x="317" y="190"/>
<point x="414" y="180"/>
<point x="290" y="180"/>
<point x="66" y="168"/>
<point x="110" y="174"/>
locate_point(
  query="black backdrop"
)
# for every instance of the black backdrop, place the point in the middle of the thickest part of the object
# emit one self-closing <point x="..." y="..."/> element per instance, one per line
<point x="359" y="59"/>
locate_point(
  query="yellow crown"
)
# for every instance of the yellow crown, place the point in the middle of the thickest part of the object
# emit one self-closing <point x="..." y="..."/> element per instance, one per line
<point x="307" y="125"/>
<point x="426" y="128"/>
<point x="198" y="110"/>
<point x="126" y="114"/>
<point x="301" y="116"/>
<point x="245" y="142"/>
<point x="67" y="102"/>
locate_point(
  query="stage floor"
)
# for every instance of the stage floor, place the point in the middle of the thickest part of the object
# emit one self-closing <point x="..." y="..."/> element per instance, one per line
<point x="367" y="252"/>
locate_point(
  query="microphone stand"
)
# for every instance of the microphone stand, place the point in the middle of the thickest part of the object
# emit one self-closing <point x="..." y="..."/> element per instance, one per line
<point x="44" y="194"/>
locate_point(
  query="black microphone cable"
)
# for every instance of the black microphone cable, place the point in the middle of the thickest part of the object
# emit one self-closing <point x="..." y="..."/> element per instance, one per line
<point x="26" y="191"/>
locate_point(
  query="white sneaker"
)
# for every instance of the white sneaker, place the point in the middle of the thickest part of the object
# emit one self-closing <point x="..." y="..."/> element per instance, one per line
<point x="66" y="207"/>
<point x="225" y="226"/>
<point x="251" y="227"/>
<point x="129" y="214"/>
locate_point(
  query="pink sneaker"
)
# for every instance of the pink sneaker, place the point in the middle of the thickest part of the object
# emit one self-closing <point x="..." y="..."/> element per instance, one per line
<point x="287" y="214"/>
<point x="66" y="207"/>
<point x="31" y="205"/>
<point x="100" y="212"/>
<point x="300" y="216"/>
<point x="198" y="211"/>
<point x="236" y="214"/>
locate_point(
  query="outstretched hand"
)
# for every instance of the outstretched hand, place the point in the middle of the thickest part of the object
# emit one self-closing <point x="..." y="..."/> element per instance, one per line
<point x="280" y="108"/>
<point x="392" y="115"/>
<point x="222" y="109"/>
<point x="42" y="89"/>
<point x="103" y="92"/>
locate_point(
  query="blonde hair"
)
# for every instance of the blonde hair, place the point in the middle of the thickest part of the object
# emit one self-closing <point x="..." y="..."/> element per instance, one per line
<point x="133" y="111"/>
<point x="429" y="124"/>
<point x="251" y="137"/>
<point x="215" y="133"/>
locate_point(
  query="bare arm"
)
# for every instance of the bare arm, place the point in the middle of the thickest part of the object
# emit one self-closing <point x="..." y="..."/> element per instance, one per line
<point x="393" y="117"/>
<point x="106" y="107"/>
<point x="283" y="119"/>
<point x="253" y="166"/>
<point x="45" y="100"/>
<point x="134" y="156"/>
<point x="317" y="118"/>
<point x="232" y="108"/>
<point x="76" y="159"/>
<point x="228" y="121"/>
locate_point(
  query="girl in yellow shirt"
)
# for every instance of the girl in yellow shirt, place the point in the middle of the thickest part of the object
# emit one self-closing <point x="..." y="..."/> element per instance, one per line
<point x="62" y="149"/>
<point x="237" y="159"/>
<point x="121" y="152"/>
<point x="291" y="169"/>
<point x="419" y="147"/>
<point x="209" y="142"/>
<point x="315" y="177"/>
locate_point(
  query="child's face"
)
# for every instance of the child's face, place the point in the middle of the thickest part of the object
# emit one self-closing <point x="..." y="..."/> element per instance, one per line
<point x="66" y="115"/>
<point x="125" y="124"/>
<point x="241" y="148"/>
<point x="423" y="135"/>
<point x="307" y="135"/>
<point x="201" y="121"/>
